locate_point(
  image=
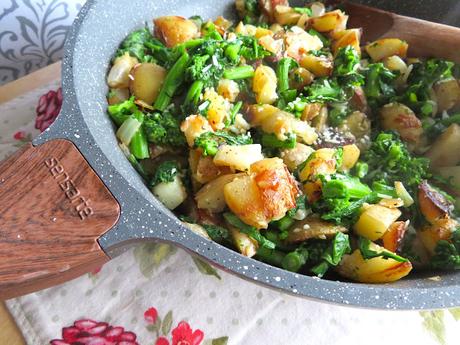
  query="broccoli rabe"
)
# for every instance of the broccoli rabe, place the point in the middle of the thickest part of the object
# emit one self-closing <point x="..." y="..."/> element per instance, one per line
<point x="248" y="230"/>
<point x="209" y="142"/>
<point x="447" y="253"/>
<point x="324" y="90"/>
<point x="346" y="65"/>
<point x="389" y="160"/>
<point x="163" y="129"/>
<point x="217" y="233"/>
<point x="368" y="253"/>
<point x="165" y="172"/>
<point x="342" y="198"/>
<point x="420" y="81"/>
<point x="270" y="140"/>
<point x="122" y="111"/>
<point x="379" y="85"/>
<point x="332" y="255"/>
<point x="143" y="46"/>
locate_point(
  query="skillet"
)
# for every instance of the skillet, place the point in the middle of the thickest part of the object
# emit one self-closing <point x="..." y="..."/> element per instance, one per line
<point x="71" y="200"/>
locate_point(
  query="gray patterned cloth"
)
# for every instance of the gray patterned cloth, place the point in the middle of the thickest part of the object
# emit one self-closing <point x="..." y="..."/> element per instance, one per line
<point x="32" y="34"/>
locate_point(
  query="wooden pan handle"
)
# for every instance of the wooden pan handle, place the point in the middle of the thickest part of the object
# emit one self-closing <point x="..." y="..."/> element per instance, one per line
<point x="426" y="39"/>
<point x="53" y="208"/>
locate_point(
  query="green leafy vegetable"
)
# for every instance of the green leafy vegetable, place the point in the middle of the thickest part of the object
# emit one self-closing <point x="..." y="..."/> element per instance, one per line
<point x="379" y="86"/>
<point x="333" y="254"/>
<point x="248" y="230"/>
<point x="346" y="65"/>
<point x="173" y="80"/>
<point x="165" y="172"/>
<point x="270" y="140"/>
<point x="209" y="142"/>
<point x="217" y="233"/>
<point x="141" y="45"/>
<point x="389" y="160"/>
<point x="324" y="90"/>
<point x="122" y="111"/>
<point x="368" y="253"/>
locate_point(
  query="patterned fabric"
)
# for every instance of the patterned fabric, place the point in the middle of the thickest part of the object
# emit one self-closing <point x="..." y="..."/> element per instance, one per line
<point x="32" y="34"/>
<point x="156" y="294"/>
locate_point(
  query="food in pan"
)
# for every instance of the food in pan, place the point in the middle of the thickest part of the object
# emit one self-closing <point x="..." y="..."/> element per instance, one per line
<point x="285" y="137"/>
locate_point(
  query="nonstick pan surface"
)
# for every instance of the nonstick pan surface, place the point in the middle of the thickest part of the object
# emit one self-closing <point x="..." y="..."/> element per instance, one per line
<point x="95" y="36"/>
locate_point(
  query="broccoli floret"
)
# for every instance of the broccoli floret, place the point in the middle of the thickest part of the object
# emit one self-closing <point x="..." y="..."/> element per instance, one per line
<point x="447" y="253"/>
<point x="346" y="65"/>
<point x="163" y="129"/>
<point x="209" y="142"/>
<point x="165" y="172"/>
<point x="122" y="111"/>
<point x="389" y="160"/>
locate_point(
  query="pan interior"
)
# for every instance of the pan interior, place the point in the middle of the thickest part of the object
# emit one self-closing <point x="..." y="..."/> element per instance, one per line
<point x="97" y="39"/>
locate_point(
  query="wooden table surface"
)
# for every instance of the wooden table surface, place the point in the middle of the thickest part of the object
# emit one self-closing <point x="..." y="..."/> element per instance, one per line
<point x="9" y="332"/>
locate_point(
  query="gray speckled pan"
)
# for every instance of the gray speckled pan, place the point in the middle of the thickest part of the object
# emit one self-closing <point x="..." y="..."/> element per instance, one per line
<point x="98" y="30"/>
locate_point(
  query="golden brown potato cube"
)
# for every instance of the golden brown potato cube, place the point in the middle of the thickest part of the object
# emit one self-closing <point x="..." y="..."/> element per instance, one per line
<point x="334" y="20"/>
<point x="446" y="149"/>
<point x="228" y="89"/>
<point x="146" y="81"/>
<point x="264" y="85"/>
<point x="301" y="78"/>
<point x="244" y="199"/>
<point x="218" y="109"/>
<point x="321" y="162"/>
<point x="350" y="37"/>
<point x="174" y="30"/>
<point x="393" y="237"/>
<point x="375" y="220"/>
<point x="313" y="227"/>
<point x="280" y="123"/>
<point x="385" y="47"/>
<point x="447" y="94"/>
<point x="311" y="111"/>
<point x="350" y="157"/>
<point x="211" y="196"/>
<point x="375" y="270"/>
<point x="238" y="157"/>
<point x="277" y="187"/>
<point x="274" y="46"/>
<point x="286" y="15"/>
<point x="400" y="118"/>
<point x="320" y="66"/>
<point x="118" y="77"/>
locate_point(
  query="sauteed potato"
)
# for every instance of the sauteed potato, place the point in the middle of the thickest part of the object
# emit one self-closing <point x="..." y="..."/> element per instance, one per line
<point x="286" y="137"/>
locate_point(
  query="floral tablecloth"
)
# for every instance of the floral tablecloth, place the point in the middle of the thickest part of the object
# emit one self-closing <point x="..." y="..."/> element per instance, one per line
<point x="156" y="294"/>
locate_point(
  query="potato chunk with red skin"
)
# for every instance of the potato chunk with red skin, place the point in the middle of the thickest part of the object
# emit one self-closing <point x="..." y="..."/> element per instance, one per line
<point x="394" y="235"/>
<point x="432" y="204"/>
<point x="174" y="30"/>
<point x="266" y="194"/>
